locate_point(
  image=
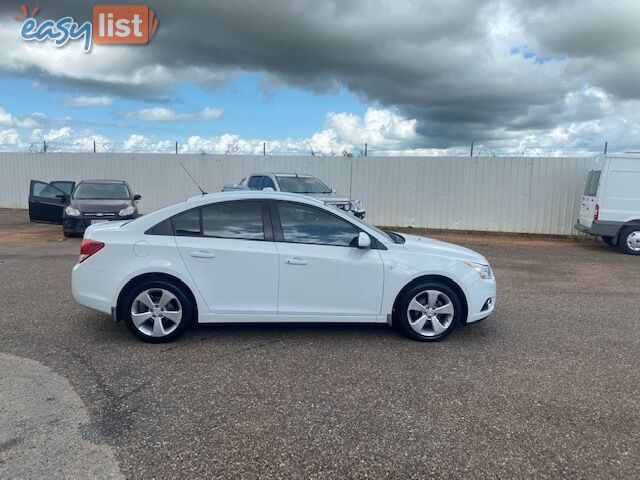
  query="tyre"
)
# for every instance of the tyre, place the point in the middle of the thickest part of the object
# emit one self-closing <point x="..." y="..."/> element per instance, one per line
<point x="428" y="311"/>
<point x="157" y="311"/>
<point x="67" y="233"/>
<point x="629" y="241"/>
<point x="609" y="241"/>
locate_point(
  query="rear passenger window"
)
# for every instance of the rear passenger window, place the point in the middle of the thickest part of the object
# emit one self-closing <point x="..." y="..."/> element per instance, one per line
<point x="240" y="220"/>
<point x="591" y="187"/>
<point x="187" y="223"/>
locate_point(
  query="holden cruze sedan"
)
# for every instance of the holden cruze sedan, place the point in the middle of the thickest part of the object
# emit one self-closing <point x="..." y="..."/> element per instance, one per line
<point x="275" y="257"/>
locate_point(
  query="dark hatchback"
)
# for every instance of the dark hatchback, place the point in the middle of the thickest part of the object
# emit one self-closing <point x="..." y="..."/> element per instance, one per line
<point x="76" y="207"/>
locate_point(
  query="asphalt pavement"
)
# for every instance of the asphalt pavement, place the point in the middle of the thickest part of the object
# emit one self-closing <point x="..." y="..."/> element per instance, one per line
<point x="548" y="387"/>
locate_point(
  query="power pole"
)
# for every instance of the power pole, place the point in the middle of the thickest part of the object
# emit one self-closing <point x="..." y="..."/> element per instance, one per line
<point x="176" y="147"/>
<point x="44" y="146"/>
<point x="471" y="150"/>
<point x="94" y="146"/>
<point x="365" y="149"/>
<point x="264" y="148"/>
<point x="606" y="144"/>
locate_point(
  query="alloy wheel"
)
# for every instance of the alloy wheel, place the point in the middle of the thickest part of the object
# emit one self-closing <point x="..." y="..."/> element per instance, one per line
<point x="430" y="313"/>
<point x="156" y="312"/>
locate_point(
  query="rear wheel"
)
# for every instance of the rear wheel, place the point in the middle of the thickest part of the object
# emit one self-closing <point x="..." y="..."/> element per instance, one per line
<point x="629" y="241"/>
<point x="157" y="311"/>
<point x="428" y="312"/>
<point x="608" y="240"/>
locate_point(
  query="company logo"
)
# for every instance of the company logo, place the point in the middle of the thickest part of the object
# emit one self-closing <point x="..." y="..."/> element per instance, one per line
<point x="112" y="24"/>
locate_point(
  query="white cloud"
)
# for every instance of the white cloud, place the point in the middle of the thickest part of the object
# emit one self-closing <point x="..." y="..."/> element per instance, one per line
<point x="162" y="114"/>
<point x="9" y="120"/>
<point x="89" y="101"/>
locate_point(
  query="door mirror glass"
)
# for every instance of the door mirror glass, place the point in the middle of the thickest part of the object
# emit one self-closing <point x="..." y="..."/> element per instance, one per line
<point x="364" y="240"/>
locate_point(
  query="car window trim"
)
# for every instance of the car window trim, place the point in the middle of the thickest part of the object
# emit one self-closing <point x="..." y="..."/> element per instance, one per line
<point x="267" y="226"/>
<point x="279" y="234"/>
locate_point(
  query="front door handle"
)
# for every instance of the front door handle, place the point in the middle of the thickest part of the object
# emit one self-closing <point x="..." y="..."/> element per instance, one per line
<point x="296" y="261"/>
<point x="202" y="254"/>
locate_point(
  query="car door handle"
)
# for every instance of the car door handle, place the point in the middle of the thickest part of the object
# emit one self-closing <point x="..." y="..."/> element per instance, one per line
<point x="202" y="254"/>
<point x="296" y="261"/>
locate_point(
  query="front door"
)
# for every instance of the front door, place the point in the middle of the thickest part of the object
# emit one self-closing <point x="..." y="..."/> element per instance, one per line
<point x="46" y="202"/>
<point x="231" y="258"/>
<point x="323" y="275"/>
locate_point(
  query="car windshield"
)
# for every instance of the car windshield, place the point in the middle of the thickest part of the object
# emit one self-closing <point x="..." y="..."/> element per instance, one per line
<point x="101" y="191"/>
<point x="302" y="185"/>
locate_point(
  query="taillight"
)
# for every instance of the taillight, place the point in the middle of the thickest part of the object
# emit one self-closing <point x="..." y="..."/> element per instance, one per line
<point x="596" y="212"/>
<point x="88" y="248"/>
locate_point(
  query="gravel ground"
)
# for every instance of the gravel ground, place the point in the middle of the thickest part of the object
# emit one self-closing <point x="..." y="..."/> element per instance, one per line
<point x="547" y="387"/>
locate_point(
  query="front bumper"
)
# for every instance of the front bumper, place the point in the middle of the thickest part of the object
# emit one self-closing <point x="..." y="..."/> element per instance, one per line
<point x="78" y="225"/>
<point x="481" y="302"/>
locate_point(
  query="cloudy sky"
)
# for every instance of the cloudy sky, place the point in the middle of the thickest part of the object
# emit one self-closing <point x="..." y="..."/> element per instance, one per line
<point x="425" y="77"/>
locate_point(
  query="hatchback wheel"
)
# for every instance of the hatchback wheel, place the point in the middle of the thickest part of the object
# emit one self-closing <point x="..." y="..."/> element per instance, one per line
<point x="157" y="311"/>
<point x="428" y="311"/>
<point x="630" y="240"/>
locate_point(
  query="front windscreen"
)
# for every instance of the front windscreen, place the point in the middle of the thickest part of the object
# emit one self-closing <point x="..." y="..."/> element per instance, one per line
<point x="101" y="191"/>
<point x="302" y="185"/>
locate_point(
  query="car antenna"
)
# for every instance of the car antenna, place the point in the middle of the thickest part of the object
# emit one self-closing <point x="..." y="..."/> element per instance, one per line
<point x="191" y="176"/>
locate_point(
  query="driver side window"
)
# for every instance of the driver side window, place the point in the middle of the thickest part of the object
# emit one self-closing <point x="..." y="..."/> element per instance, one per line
<point x="307" y="224"/>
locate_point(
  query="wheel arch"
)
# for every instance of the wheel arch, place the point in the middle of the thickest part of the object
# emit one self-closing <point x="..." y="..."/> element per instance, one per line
<point x="154" y="276"/>
<point x="440" y="278"/>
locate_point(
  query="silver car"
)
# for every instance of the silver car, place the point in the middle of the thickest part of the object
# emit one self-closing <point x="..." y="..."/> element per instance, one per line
<point x="302" y="184"/>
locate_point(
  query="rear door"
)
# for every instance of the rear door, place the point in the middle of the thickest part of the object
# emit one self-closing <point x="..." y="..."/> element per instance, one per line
<point x="228" y="249"/>
<point x="47" y="201"/>
<point x="588" y="205"/>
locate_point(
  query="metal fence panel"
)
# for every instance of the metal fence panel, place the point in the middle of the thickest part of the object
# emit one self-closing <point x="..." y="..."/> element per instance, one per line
<point x="501" y="194"/>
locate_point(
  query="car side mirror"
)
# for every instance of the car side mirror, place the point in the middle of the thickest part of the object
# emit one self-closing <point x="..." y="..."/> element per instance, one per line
<point x="364" y="241"/>
<point x="137" y="197"/>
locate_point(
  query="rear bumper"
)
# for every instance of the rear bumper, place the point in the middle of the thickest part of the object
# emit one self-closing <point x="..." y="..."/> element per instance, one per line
<point x="600" y="228"/>
<point x="95" y="289"/>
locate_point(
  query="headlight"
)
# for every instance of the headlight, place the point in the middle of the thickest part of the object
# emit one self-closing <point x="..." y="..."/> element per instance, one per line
<point x="72" y="212"/>
<point x="483" y="270"/>
<point x="127" y="211"/>
<point x="346" y="207"/>
<point x="356" y="205"/>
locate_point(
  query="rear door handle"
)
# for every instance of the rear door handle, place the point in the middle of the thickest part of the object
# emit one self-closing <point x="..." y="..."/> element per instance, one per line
<point x="296" y="261"/>
<point x="202" y="254"/>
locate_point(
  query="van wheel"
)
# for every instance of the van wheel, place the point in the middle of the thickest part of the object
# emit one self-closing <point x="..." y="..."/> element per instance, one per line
<point x="609" y="241"/>
<point x="630" y="240"/>
<point x="157" y="311"/>
<point x="428" y="312"/>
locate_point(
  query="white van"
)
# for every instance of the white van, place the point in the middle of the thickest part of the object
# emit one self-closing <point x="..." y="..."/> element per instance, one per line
<point x="611" y="202"/>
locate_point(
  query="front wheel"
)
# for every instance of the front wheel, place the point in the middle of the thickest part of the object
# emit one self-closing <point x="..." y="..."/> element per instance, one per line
<point x="428" y="311"/>
<point x="630" y="240"/>
<point x="157" y="311"/>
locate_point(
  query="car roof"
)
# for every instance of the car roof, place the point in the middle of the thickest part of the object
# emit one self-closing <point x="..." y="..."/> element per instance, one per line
<point x="305" y="175"/>
<point x="253" y="194"/>
<point x="103" y="181"/>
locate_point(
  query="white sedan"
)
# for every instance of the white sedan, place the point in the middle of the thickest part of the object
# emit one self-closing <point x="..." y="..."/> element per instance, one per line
<point x="275" y="257"/>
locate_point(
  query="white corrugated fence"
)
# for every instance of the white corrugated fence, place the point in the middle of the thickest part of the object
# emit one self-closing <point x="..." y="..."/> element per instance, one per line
<point x="499" y="194"/>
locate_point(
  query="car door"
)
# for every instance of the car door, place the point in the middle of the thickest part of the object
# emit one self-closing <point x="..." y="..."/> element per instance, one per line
<point x="228" y="250"/>
<point x="323" y="275"/>
<point x="47" y="201"/>
<point x="587" y="207"/>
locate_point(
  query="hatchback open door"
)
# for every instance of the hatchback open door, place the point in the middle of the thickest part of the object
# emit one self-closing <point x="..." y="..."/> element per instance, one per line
<point x="47" y="200"/>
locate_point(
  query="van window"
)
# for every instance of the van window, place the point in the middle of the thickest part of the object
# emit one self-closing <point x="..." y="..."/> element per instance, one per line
<point x="591" y="187"/>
